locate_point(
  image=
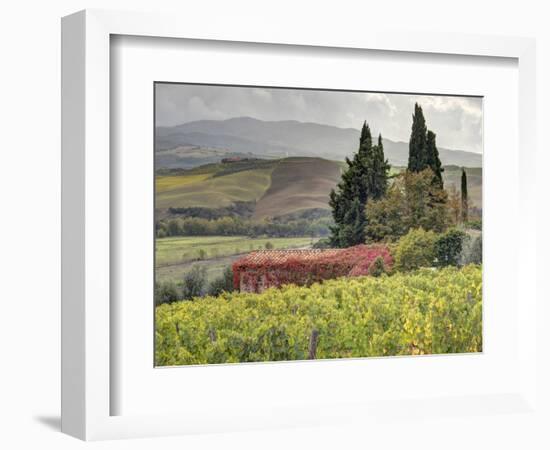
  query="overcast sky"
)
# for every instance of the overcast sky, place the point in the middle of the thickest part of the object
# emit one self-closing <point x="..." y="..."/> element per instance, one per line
<point x="457" y="121"/>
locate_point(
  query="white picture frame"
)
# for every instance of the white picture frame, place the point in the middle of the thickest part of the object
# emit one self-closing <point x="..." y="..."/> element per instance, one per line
<point x="87" y="325"/>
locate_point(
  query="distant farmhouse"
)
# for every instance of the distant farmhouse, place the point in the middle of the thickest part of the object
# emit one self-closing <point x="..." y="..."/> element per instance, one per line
<point x="233" y="159"/>
<point x="263" y="269"/>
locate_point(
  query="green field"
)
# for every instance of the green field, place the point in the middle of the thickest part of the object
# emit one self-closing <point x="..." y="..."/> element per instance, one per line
<point x="213" y="192"/>
<point x="174" y="182"/>
<point x="176" y="255"/>
<point x="278" y="187"/>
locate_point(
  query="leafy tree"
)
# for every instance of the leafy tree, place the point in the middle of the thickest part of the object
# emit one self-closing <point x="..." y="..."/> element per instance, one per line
<point x="416" y="249"/>
<point x="412" y="201"/>
<point x="448" y="247"/>
<point x="386" y="217"/>
<point x="222" y="284"/>
<point x="365" y="178"/>
<point x="194" y="282"/>
<point x="464" y="195"/>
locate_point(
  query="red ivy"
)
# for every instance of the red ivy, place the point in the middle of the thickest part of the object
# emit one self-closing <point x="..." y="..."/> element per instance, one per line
<point x="352" y="261"/>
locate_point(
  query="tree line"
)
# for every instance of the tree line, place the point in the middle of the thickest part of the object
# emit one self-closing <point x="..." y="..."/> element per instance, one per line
<point x="370" y="205"/>
<point x="238" y="226"/>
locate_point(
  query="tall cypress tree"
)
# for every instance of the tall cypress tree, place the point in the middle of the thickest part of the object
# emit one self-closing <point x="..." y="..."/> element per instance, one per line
<point x="380" y="171"/>
<point x="365" y="178"/>
<point x="464" y="195"/>
<point x="417" y="142"/>
<point x="432" y="158"/>
<point x="366" y="138"/>
<point x="423" y="151"/>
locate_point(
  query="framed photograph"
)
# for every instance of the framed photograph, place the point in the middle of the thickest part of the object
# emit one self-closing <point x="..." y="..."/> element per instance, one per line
<point x="267" y="229"/>
<point x="284" y="233"/>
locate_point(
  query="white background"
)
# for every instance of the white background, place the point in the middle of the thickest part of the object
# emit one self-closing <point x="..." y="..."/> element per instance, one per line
<point x="141" y="389"/>
<point x="29" y="183"/>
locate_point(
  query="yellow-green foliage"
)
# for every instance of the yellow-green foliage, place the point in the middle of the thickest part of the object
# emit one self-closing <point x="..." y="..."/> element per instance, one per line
<point x="213" y="192"/>
<point x="423" y="312"/>
<point x="169" y="182"/>
<point x="416" y="249"/>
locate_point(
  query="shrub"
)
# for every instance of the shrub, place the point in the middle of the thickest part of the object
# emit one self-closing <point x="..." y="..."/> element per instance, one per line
<point x="268" y="245"/>
<point x="377" y="268"/>
<point x="448" y="247"/>
<point x="166" y="292"/>
<point x="376" y="259"/>
<point x="321" y="244"/>
<point x="194" y="282"/>
<point x="222" y="284"/>
<point x="416" y="249"/>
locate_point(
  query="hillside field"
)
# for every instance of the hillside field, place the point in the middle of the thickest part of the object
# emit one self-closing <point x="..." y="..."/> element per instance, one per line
<point x="175" y="256"/>
<point x="298" y="184"/>
<point x="452" y="175"/>
<point x="211" y="191"/>
<point x="278" y="187"/>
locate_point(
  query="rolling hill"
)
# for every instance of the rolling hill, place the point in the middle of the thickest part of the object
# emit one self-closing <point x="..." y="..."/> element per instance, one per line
<point x="273" y="187"/>
<point x="298" y="184"/>
<point x="212" y="188"/>
<point x="264" y="139"/>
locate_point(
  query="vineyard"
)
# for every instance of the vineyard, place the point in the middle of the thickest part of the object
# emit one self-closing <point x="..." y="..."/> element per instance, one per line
<point x="423" y="312"/>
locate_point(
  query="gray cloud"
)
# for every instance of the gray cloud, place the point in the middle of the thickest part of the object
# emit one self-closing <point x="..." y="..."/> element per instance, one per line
<point x="457" y="121"/>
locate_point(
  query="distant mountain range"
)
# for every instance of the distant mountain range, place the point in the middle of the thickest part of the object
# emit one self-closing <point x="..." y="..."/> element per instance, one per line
<point x="205" y="141"/>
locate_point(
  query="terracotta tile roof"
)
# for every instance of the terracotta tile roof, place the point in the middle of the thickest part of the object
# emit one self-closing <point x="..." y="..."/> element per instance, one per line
<point x="259" y="257"/>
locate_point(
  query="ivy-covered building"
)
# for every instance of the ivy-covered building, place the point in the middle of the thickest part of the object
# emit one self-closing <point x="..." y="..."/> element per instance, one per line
<point x="263" y="269"/>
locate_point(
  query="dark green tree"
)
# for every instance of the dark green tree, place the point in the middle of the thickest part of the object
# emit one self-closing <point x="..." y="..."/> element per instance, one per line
<point x="352" y="230"/>
<point x="365" y="177"/>
<point x="432" y="158"/>
<point x="464" y="195"/>
<point x="380" y="170"/>
<point x="417" y="142"/>
<point x="423" y="151"/>
<point x="366" y="137"/>
<point x="448" y="247"/>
